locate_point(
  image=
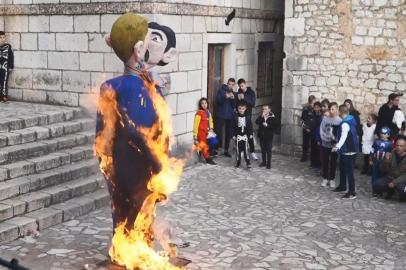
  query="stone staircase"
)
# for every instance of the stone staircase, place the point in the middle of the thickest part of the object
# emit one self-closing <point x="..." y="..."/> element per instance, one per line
<point x="48" y="173"/>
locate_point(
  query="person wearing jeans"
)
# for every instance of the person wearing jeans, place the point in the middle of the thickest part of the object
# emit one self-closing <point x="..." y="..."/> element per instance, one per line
<point x="348" y="147"/>
<point x="328" y="133"/>
<point x="225" y="101"/>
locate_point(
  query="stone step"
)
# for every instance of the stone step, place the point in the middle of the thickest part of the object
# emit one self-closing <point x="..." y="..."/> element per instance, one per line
<point x="46" y="197"/>
<point x="46" y="162"/>
<point x="81" y="168"/>
<point x="38" y="133"/>
<point x="20" y="226"/>
<point x="20" y="115"/>
<point x="19" y="152"/>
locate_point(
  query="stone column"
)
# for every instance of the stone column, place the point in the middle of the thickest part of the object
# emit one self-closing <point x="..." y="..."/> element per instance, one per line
<point x="293" y="93"/>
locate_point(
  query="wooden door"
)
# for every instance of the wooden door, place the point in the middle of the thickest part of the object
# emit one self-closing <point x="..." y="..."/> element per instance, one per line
<point x="215" y="74"/>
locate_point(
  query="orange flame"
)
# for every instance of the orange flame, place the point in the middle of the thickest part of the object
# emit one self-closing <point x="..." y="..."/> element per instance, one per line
<point x="134" y="248"/>
<point x="201" y="147"/>
<point x="104" y="140"/>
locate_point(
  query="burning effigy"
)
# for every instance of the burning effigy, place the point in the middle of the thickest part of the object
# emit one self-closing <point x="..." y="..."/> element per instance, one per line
<point x="132" y="140"/>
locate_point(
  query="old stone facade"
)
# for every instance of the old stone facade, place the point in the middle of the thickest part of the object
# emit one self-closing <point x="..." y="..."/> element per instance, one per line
<point x="341" y="49"/>
<point x="61" y="56"/>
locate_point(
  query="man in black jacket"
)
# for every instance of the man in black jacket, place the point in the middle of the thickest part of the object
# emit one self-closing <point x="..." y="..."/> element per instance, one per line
<point x="246" y="94"/>
<point x="307" y="120"/>
<point x="386" y="113"/>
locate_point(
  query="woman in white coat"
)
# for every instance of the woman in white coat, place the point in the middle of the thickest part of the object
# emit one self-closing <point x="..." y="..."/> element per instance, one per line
<point x="398" y="119"/>
<point x="368" y="137"/>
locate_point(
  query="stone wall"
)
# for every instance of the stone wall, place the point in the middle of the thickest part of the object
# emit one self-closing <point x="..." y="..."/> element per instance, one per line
<point x="341" y="49"/>
<point x="61" y="56"/>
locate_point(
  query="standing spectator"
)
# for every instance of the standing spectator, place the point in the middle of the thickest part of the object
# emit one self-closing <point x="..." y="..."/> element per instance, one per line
<point x="307" y="118"/>
<point x="242" y="131"/>
<point x="225" y="101"/>
<point x="246" y="94"/>
<point x="325" y="103"/>
<point x="355" y="114"/>
<point x="387" y="112"/>
<point x="398" y="120"/>
<point x="315" y="134"/>
<point x="6" y="65"/>
<point x="328" y="134"/>
<point x="266" y="127"/>
<point x="379" y="149"/>
<point x="325" y="112"/>
<point x="348" y="147"/>
<point x="394" y="166"/>
<point x="368" y="131"/>
<point x="203" y="123"/>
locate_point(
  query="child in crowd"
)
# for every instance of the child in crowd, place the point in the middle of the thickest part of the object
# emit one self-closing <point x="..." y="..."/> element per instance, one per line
<point x="266" y="126"/>
<point x="328" y="134"/>
<point x="242" y="131"/>
<point x="324" y="113"/>
<point x="368" y="137"/>
<point x="380" y="147"/>
<point x="245" y="93"/>
<point x="6" y="65"/>
<point x="325" y="103"/>
<point x="315" y="125"/>
<point x="203" y="123"/>
<point x="348" y="147"/>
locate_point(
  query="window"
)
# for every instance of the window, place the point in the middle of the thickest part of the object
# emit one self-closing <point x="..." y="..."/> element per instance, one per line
<point x="265" y="69"/>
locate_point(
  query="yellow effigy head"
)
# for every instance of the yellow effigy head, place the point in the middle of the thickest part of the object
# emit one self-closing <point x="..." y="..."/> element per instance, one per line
<point x="126" y="31"/>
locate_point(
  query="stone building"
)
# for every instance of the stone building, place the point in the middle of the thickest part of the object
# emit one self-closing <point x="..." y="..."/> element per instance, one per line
<point x="61" y="56"/>
<point x="334" y="49"/>
<point x="341" y="49"/>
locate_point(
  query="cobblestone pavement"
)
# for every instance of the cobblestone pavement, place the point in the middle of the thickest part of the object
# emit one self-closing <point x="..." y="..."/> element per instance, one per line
<point x="239" y="219"/>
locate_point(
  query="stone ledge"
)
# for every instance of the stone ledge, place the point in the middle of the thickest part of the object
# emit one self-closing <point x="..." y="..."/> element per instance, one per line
<point x="137" y="7"/>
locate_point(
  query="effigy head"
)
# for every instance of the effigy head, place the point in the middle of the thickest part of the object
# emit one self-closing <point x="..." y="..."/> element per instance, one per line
<point x="128" y="35"/>
<point x="161" y="48"/>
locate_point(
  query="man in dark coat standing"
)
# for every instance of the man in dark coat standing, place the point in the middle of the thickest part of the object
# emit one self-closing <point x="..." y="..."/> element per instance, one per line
<point x="386" y="113"/>
<point x="247" y="95"/>
<point x="226" y="102"/>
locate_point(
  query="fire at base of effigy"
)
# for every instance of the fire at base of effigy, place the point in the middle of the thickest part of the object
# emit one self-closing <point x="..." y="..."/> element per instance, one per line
<point x="132" y="143"/>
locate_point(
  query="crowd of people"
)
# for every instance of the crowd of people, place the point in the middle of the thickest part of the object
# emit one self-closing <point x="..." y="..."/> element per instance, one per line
<point x="334" y="133"/>
<point x="333" y="136"/>
<point x="233" y="121"/>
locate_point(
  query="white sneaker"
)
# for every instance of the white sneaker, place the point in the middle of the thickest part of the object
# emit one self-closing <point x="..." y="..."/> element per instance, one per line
<point x="254" y="156"/>
<point x="332" y="184"/>
<point x="324" y="183"/>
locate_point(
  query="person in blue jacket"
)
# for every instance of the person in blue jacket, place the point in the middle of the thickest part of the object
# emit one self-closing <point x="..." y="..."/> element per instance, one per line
<point x="226" y="102"/>
<point x="347" y="147"/>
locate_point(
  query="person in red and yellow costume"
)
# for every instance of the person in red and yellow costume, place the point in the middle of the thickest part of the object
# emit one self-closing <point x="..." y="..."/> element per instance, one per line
<point x="203" y="123"/>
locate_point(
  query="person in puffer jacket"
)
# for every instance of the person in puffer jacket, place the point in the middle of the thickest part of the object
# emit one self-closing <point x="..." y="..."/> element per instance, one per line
<point x="226" y="102"/>
<point x="347" y="147"/>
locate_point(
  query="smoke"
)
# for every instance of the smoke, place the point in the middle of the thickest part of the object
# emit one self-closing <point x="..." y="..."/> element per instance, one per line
<point x="163" y="234"/>
<point x="89" y="100"/>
